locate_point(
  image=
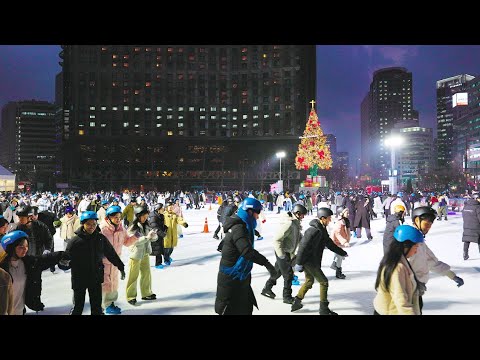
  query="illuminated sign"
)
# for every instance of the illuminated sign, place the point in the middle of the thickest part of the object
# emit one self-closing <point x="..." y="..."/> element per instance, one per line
<point x="460" y="99"/>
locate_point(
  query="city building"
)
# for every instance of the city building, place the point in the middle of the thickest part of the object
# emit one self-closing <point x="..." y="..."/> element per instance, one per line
<point x="163" y="116"/>
<point x="389" y="101"/>
<point x="27" y="144"/>
<point x="415" y="156"/>
<point x="446" y="89"/>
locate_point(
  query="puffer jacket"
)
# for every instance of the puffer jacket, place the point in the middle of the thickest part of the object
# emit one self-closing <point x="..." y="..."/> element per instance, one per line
<point x="118" y="237"/>
<point x="142" y="246"/>
<point x="425" y="261"/>
<point x="288" y="235"/>
<point x="393" y="221"/>
<point x="314" y="241"/>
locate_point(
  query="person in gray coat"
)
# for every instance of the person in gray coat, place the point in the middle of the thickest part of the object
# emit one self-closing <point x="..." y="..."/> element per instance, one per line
<point x="285" y="243"/>
<point x="471" y="224"/>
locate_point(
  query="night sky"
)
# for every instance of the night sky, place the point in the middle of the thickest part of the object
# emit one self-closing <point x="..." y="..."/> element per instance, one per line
<point x="344" y="74"/>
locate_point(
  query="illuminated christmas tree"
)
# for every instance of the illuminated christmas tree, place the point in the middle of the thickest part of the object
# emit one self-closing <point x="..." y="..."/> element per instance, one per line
<point x="313" y="152"/>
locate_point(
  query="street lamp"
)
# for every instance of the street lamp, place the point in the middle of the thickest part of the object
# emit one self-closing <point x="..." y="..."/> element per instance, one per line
<point x="280" y="155"/>
<point x="393" y="142"/>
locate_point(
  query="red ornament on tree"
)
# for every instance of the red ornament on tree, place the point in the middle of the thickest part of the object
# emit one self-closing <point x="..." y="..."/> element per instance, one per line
<point x="321" y="154"/>
<point x="301" y="160"/>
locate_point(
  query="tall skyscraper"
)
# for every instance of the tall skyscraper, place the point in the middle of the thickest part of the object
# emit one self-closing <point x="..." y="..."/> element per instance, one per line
<point x="366" y="137"/>
<point x="446" y="88"/>
<point x="390" y="100"/>
<point x="27" y="144"/>
<point x="164" y="115"/>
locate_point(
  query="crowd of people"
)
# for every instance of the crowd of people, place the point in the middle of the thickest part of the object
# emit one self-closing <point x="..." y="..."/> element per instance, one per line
<point x="95" y="228"/>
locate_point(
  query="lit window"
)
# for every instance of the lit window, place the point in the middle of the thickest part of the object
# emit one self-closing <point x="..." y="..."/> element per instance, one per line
<point x="180" y="108"/>
<point x="125" y="124"/>
<point x="169" y="109"/>
<point x="137" y="92"/>
<point x="114" y="108"/>
<point x="202" y="117"/>
<point x="104" y="108"/>
<point x="180" y="125"/>
<point x="224" y="109"/>
<point x="170" y="133"/>
<point x="137" y="109"/>
<point x="213" y="108"/>
<point x="80" y="132"/>
<point x="137" y="125"/>
<point x="169" y="116"/>
<point x="103" y="125"/>
<point x="92" y="107"/>
<point x="244" y="116"/>
<point x="266" y="116"/>
<point x="234" y="110"/>
<point x="255" y="116"/>
<point x="234" y="118"/>
<point x="148" y="109"/>
<point x="92" y="116"/>
<point x="159" y="125"/>
<point x="125" y="108"/>
<point x="255" y="124"/>
<point x="244" y="125"/>
<point x="180" y="117"/>
<point x="92" y="124"/>
<point x="255" y="108"/>
<point x="213" y="117"/>
<point x="191" y="108"/>
<point x="159" y="117"/>
<point x="148" y="84"/>
<point x="159" y="108"/>
<point x="202" y="109"/>
<point x="234" y="126"/>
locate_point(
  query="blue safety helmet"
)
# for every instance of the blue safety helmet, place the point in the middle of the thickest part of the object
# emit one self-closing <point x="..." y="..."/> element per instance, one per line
<point x="69" y="209"/>
<point x="88" y="215"/>
<point x="251" y="203"/>
<point x="104" y="202"/>
<point x="113" y="210"/>
<point x="407" y="232"/>
<point x="11" y="237"/>
<point x="399" y="194"/>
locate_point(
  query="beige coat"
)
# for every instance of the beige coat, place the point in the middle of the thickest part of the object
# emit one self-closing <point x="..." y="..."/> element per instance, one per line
<point x="402" y="297"/>
<point x="69" y="226"/>
<point x="341" y="235"/>
<point x="142" y="246"/>
<point x="6" y="293"/>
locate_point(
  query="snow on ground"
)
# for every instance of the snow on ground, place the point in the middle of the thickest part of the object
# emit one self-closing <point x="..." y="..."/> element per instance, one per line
<point x="188" y="286"/>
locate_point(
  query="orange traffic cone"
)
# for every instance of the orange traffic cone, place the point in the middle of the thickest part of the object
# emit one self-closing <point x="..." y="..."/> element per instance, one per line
<point x="205" y="227"/>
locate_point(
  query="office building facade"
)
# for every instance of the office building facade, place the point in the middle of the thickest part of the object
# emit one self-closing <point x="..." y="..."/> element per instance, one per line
<point x="157" y="116"/>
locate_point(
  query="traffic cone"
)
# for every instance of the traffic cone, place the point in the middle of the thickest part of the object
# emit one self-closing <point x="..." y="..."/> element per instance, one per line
<point x="205" y="227"/>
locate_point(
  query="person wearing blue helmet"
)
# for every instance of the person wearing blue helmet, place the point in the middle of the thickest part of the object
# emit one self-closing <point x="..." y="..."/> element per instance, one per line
<point x="397" y="285"/>
<point x="112" y="228"/>
<point x="85" y="253"/>
<point x="25" y="270"/>
<point x="234" y="294"/>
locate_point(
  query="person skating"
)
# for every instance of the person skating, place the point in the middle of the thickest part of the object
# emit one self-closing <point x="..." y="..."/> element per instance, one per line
<point x="171" y="238"/>
<point x="140" y="257"/>
<point x="156" y="221"/>
<point x="471" y="224"/>
<point x="112" y="228"/>
<point x="396" y="283"/>
<point x="425" y="260"/>
<point x="341" y="238"/>
<point x="85" y="252"/>
<point x="285" y="242"/>
<point x="25" y="270"/>
<point x="393" y="220"/>
<point x="309" y="259"/>
<point x="234" y="293"/>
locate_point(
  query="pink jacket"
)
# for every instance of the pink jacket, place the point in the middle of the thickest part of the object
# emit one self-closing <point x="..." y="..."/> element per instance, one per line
<point x="341" y="235"/>
<point x="118" y="237"/>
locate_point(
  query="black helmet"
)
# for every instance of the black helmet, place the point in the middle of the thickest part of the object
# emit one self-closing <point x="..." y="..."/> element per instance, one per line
<point x="324" y="212"/>
<point x="158" y="206"/>
<point x="140" y="210"/>
<point x="24" y="210"/>
<point x="424" y="212"/>
<point x="230" y="200"/>
<point x="299" y="208"/>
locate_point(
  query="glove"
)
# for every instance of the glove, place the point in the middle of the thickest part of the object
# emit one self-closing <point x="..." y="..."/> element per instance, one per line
<point x="271" y="269"/>
<point x="122" y="275"/>
<point x="458" y="280"/>
<point x="45" y="252"/>
<point x="185" y="225"/>
<point x="151" y="234"/>
<point x="299" y="268"/>
<point x="421" y="288"/>
<point x="64" y="264"/>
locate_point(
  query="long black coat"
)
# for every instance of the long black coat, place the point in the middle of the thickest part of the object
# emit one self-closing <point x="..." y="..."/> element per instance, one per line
<point x="471" y="221"/>
<point x="34" y="265"/>
<point x="156" y="221"/>
<point x="85" y="253"/>
<point x="393" y="221"/>
<point x="362" y="213"/>
<point x="314" y="241"/>
<point x="234" y="296"/>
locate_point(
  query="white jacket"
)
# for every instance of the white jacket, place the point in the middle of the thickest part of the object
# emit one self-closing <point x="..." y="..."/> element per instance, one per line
<point x="425" y="261"/>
